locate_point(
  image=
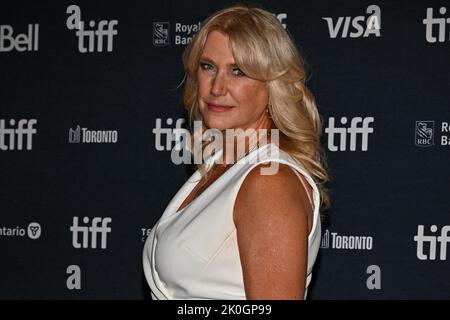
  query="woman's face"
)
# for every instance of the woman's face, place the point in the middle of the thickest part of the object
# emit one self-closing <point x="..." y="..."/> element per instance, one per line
<point x="227" y="98"/>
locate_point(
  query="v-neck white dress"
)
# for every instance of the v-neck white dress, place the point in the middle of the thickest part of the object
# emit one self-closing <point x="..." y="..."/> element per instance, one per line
<point x="193" y="253"/>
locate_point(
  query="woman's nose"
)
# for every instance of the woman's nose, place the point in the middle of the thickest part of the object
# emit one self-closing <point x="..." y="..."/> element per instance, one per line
<point x="218" y="86"/>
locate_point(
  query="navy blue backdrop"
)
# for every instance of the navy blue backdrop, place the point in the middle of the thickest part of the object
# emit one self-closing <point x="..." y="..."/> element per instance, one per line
<point x="89" y="100"/>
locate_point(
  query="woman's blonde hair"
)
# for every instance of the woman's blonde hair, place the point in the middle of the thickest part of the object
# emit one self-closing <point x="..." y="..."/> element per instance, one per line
<point x="263" y="50"/>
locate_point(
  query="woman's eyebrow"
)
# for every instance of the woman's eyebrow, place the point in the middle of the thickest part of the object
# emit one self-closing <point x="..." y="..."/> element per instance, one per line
<point x="209" y="60"/>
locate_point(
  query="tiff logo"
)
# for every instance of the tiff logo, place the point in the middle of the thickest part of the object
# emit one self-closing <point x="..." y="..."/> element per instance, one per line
<point x="170" y="135"/>
<point x="21" y="42"/>
<point x="421" y="239"/>
<point x="361" y="25"/>
<point x="12" y="138"/>
<point x="94" y="37"/>
<point x="429" y="23"/>
<point x="353" y="131"/>
<point x="91" y="231"/>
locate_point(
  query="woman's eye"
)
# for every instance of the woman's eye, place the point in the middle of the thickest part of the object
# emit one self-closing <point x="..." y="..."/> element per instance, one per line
<point x="238" y="72"/>
<point x="206" y="66"/>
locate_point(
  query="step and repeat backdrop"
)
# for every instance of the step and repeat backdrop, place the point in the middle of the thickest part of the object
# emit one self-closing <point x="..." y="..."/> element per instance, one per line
<point x="90" y="104"/>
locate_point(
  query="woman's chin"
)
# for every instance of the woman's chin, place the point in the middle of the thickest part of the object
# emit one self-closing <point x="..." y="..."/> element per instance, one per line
<point x="219" y="124"/>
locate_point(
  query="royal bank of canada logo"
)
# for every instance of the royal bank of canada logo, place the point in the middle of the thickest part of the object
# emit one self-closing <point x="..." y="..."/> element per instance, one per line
<point x="33" y="231"/>
<point x="424" y="136"/>
<point x="183" y="33"/>
<point x="161" y="34"/>
<point x="428" y="134"/>
<point x="83" y="135"/>
<point x="333" y="240"/>
<point x="427" y="244"/>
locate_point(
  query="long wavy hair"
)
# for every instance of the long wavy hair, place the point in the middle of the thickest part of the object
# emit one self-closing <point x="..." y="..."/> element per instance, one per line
<point x="263" y="50"/>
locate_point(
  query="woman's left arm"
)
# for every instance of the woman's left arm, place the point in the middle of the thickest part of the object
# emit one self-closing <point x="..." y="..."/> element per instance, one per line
<point x="271" y="217"/>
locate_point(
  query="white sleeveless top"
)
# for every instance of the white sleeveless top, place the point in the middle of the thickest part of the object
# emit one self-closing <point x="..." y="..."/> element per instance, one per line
<point x="193" y="253"/>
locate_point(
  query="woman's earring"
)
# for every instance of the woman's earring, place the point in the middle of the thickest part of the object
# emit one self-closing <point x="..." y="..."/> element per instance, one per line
<point x="269" y="111"/>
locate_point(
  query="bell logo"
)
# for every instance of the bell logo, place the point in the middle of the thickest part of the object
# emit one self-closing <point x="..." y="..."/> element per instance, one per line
<point x="92" y="230"/>
<point x="21" y="42"/>
<point x="421" y="239"/>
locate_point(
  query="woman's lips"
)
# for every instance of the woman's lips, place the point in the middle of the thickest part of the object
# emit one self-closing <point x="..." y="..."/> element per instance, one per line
<point x="219" y="108"/>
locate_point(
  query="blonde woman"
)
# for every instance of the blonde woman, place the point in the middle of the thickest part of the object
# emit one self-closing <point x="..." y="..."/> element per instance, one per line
<point x="231" y="231"/>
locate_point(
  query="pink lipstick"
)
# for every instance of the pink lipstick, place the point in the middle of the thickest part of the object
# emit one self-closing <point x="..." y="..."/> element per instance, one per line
<point x="219" y="108"/>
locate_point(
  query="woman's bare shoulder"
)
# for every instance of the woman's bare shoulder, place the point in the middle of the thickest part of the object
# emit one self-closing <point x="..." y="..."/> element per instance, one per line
<point x="265" y="194"/>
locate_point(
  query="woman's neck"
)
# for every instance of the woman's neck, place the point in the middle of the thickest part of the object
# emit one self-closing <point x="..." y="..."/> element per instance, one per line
<point x="238" y="143"/>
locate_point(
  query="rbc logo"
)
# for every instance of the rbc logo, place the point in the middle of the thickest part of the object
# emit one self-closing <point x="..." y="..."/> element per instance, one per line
<point x="161" y="34"/>
<point x="424" y="136"/>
